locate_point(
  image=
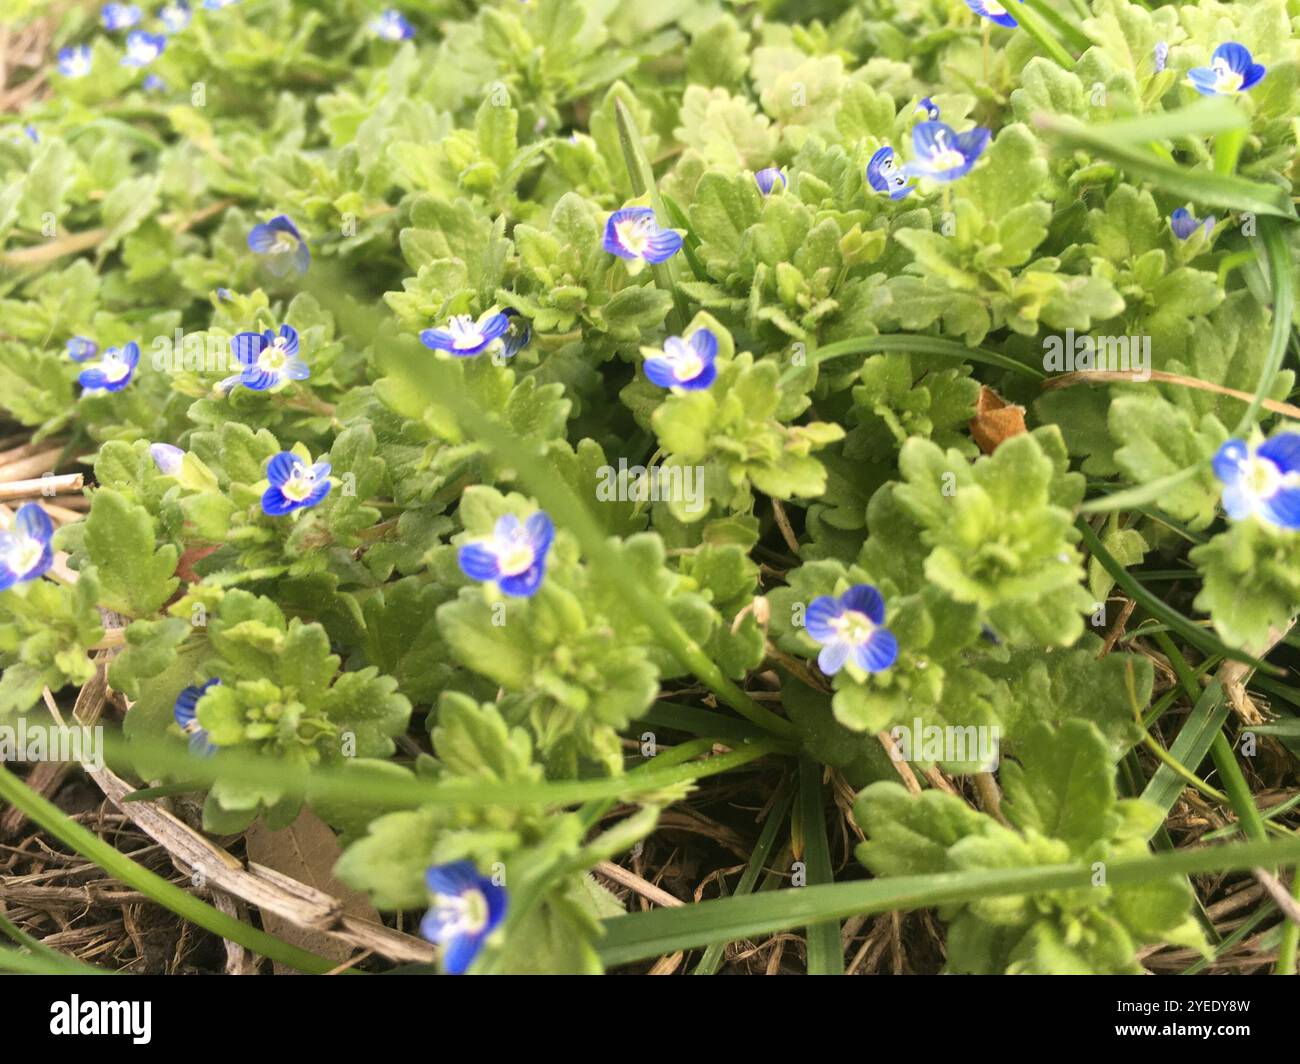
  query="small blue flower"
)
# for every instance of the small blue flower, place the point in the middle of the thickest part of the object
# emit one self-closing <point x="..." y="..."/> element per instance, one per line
<point x="942" y="155"/>
<point x="689" y="363"/>
<point x="884" y="175"/>
<point x="1184" y="223"/>
<point x="1261" y="480"/>
<point x="224" y="295"/>
<point x="114" y="371"/>
<point x="515" y="555"/>
<point x="80" y="349"/>
<point x="991" y="10"/>
<point x="392" y="26"/>
<point x="269" y="361"/>
<point x="185" y="712"/>
<point x="467" y="907"/>
<point x="75" y="62"/>
<point x="120" y="16"/>
<point x="217" y="5"/>
<point x="295" y="485"/>
<point x="167" y="458"/>
<point x="1231" y="70"/>
<point x="518" y="333"/>
<point x="1161" y="55"/>
<point x="928" y="109"/>
<point x="849" y="628"/>
<point x="142" y="48"/>
<point x="283" y="245"/>
<point x="633" y="233"/>
<point x="463" y="337"/>
<point x="153" y="83"/>
<point x="175" y="16"/>
<point x="768" y="178"/>
<point x="25" y="551"/>
<point x="32" y="135"/>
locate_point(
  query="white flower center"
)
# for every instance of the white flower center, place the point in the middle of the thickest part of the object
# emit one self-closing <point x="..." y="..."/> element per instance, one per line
<point x="994" y="8"/>
<point x="462" y="914"/>
<point x="1263" y="479"/>
<point x="634" y="234"/>
<point x="945" y="157"/>
<point x="854" y="627"/>
<point x="23" y="553"/>
<point x="115" y="368"/>
<point x="1226" y="80"/>
<point x="514" y="556"/>
<point x="274" y="356"/>
<point x="300" y="484"/>
<point x="465" y="332"/>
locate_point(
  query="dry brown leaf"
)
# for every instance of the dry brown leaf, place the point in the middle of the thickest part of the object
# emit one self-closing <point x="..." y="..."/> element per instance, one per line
<point x="306" y="850"/>
<point x="995" y="420"/>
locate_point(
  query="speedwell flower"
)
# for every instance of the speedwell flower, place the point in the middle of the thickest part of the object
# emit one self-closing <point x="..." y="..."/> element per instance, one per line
<point x="689" y="363"/>
<point x="217" y="5"/>
<point x="120" y="16"/>
<point x="991" y="10"/>
<point x="1184" y="223"/>
<point x="515" y="555"/>
<point x="114" y="371"/>
<point x="175" y="16"/>
<point x="75" y="62"/>
<point x="25" y="551"/>
<point x="462" y="336"/>
<point x="1161" y="55"/>
<point x="517" y="335"/>
<point x="942" y="155"/>
<point x="768" y="178"/>
<point x="467" y="907"/>
<point x="268" y="360"/>
<point x="153" y="83"/>
<point x="633" y="233"/>
<point x="295" y="485"/>
<point x="391" y="26"/>
<point x="282" y="244"/>
<point x="1231" y="70"/>
<point x="849" y="628"/>
<point x="80" y="349"/>
<point x="884" y="175"/>
<point x="928" y="109"/>
<point x="1262" y="479"/>
<point x="185" y="712"/>
<point x="143" y="48"/>
<point x="167" y="457"/>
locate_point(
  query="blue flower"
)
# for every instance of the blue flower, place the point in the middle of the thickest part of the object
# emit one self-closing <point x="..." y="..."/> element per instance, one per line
<point x="295" y="485"/>
<point x="928" y="109"/>
<point x="75" y="62"/>
<point x="114" y="371"/>
<point x="32" y="135"/>
<point x="991" y="10"/>
<point x="25" y="551"/>
<point x="166" y="457"/>
<point x="185" y="712"/>
<point x="1231" y="70"/>
<point x="80" y="349"/>
<point x="217" y="5"/>
<point x="633" y="233"/>
<point x="885" y="177"/>
<point x="1161" y="55"/>
<point x="391" y="26"/>
<point x="689" y="363"/>
<point x="269" y="360"/>
<point x="767" y="180"/>
<point x="467" y="907"/>
<point x="283" y="245"/>
<point x="941" y="154"/>
<point x="120" y="16"/>
<point x="175" y="15"/>
<point x="153" y="83"/>
<point x="1262" y="480"/>
<point x="463" y="336"/>
<point x="515" y="555"/>
<point x="849" y="628"/>
<point x="1184" y="223"/>
<point x="517" y="335"/>
<point x="143" y="48"/>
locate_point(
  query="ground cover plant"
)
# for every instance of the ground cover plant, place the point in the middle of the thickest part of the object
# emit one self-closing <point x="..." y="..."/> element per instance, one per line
<point x="704" y="486"/>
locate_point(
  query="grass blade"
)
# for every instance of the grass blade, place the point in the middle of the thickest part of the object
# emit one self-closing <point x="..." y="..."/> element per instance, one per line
<point x="825" y="952"/>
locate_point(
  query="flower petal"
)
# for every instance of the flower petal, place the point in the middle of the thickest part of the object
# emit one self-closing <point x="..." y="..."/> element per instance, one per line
<point x="865" y="599"/>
